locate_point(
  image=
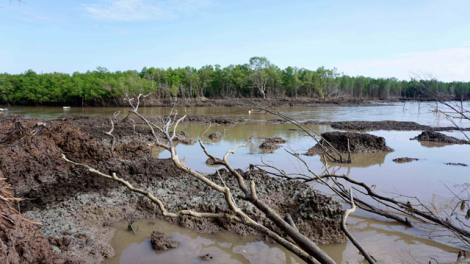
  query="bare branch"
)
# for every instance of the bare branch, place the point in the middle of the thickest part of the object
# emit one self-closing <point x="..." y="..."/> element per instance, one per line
<point x="348" y="234"/>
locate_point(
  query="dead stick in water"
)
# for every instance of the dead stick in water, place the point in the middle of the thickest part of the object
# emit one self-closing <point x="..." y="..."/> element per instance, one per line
<point x="349" y="235"/>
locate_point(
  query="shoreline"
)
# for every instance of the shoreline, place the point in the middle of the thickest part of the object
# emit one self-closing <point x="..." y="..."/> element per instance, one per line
<point x="252" y="102"/>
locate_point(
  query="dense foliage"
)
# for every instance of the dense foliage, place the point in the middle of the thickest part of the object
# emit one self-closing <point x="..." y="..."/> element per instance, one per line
<point x="258" y="78"/>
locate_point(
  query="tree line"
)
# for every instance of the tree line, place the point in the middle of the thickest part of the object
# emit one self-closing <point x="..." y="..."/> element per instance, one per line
<point x="258" y="78"/>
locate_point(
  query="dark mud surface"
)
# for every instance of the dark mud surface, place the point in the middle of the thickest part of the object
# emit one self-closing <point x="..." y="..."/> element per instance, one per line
<point x="456" y="164"/>
<point x="216" y="136"/>
<point x="387" y="125"/>
<point x="212" y="162"/>
<point x="359" y="143"/>
<point x="271" y="144"/>
<point x="431" y="136"/>
<point x="133" y="120"/>
<point x="250" y="102"/>
<point x="20" y="239"/>
<point x="77" y="207"/>
<point x="160" y="241"/>
<point x="404" y="160"/>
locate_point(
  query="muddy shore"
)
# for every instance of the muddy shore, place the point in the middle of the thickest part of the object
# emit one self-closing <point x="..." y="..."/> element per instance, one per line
<point x="77" y="208"/>
<point x="250" y="102"/>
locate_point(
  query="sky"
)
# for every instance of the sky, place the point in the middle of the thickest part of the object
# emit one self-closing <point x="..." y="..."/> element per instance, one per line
<point x="401" y="39"/>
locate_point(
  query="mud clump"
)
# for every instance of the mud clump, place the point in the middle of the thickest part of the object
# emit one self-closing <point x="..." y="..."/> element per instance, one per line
<point x="271" y="144"/>
<point x="456" y="164"/>
<point x="359" y="143"/>
<point x="183" y="138"/>
<point x="317" y="217"/>
<point x="214" y="120"/>
<point x="212" y="162"/>
<point x="404" y="160"/>
<point x="215" y="136"/>
<point x="386" y="125"/>
<point x="431" y="136"/>
<point x="40" y="155"/>
<point x="160" y="241"/>
<point x="132" y="150"/>
<point x="20" y="239"/>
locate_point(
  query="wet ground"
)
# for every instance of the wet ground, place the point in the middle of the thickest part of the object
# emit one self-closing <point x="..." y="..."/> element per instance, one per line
<point x="388" y="242"/>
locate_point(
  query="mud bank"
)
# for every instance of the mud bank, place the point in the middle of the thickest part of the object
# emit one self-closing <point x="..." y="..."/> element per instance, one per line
<point x="271" y="144"/>
<point x="77" y="208"/>
<point x="387" y="125"/>
<point x="251" y="102"/>
<point x="431" y="136"/>
<point x="356" y="143"/>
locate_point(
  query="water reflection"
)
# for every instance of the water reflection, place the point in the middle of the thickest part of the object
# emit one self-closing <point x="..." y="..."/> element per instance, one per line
<point x="360" y="160"/>
<point x="224" y="247"/>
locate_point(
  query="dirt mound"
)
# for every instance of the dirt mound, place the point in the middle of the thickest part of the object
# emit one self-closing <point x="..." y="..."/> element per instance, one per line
<point x="431" y="136"/>
<point x="404" y="160"/>
<point x="20" y="239"/>
<point x="358" y="143"/>
<point x="280" y="195"/>
<point x="216" y="136"/>
<point x="33" y="164"/>
<point x="31" y="160"/>
<point x="212" y="162"/>
<point x="386" y="125"/>
<point x="160" y="241"/>
<point x="317" y="217"/>
<point x="183" y="138"/>
<point x="272" y="143"/>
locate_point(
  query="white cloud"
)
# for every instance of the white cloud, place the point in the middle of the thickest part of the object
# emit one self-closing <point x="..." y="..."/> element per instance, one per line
<point x="137" y="10"/>
<point x="452" y="64"/>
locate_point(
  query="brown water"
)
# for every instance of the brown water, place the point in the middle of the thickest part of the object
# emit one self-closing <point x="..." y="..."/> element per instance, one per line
<point x="386" y="241"/>
<point x="224" y="247"/>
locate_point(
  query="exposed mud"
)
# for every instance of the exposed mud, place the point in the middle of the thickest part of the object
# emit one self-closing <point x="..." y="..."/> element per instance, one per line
<point x="160" y="241"/>
<point x="271" y="144"/>
<point x="456" y="164"/>
<point x="212" y="162"/>
<point x="20" y="239"/>
<point x="356" y="143"/>
<point x="404" y="160"/>
<point x="183" y="138"/>
<point x="77" y="207"/>
<point x="387" y="125"/>
<point x="431" y="136"/>
<point x="250" y="102"/>
<point x="132" y="120"/>
<point x="216" y="136"/>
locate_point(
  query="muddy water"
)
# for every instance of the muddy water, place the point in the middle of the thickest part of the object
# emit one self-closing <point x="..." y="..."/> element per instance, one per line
<point x="387" y="241"/>
<point x="420" y="113"/>
<point x="223" y="247"/>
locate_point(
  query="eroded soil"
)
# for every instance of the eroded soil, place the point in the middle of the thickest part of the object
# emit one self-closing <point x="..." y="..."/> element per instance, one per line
<point x="77" y="207"/>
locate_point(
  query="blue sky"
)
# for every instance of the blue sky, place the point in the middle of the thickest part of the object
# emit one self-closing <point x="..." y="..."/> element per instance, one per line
<point x="371" y="38"/>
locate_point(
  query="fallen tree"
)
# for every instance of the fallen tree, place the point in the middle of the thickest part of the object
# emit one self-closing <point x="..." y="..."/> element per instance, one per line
<point x="290" y="238"/>
<point x="406" y="210"/>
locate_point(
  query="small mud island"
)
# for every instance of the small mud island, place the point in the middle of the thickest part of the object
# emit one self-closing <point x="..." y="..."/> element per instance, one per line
<point x="76" y="208"/>
<point x="349" y="142"/>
